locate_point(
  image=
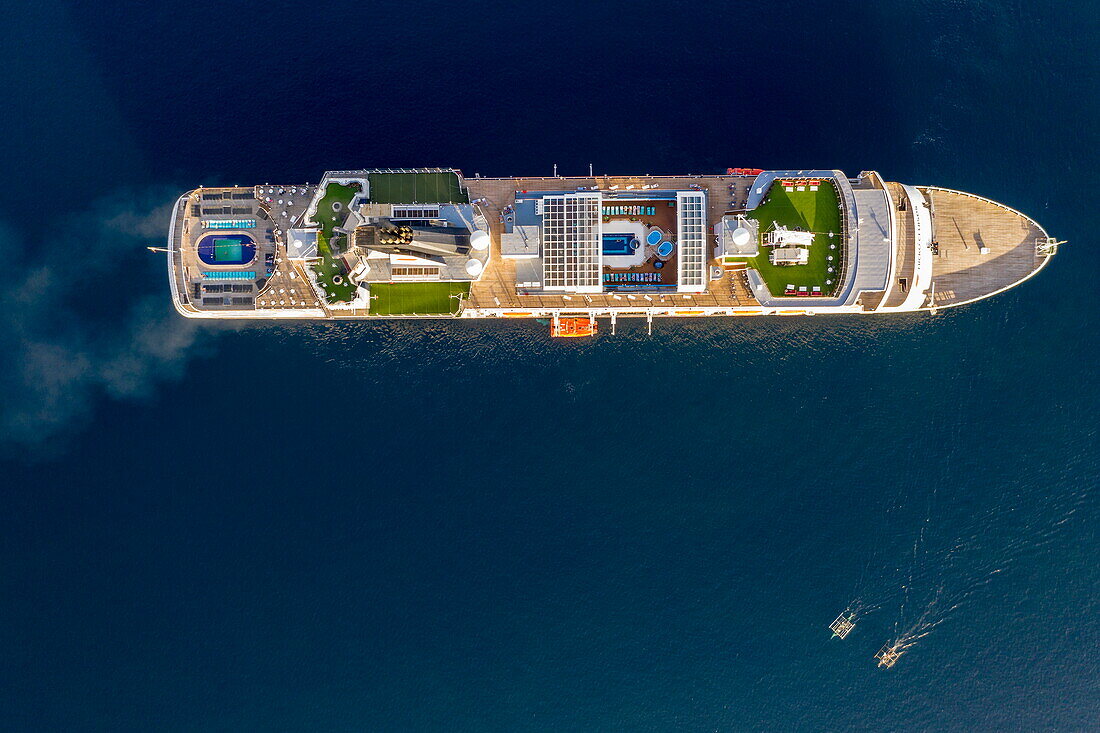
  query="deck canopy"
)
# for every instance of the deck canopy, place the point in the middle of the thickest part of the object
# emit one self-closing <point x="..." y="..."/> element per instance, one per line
<point x="784" y="237"/>
<point x="789" y="256"/>
<point x="691" y="208"/>
<point x="571" y="242"/>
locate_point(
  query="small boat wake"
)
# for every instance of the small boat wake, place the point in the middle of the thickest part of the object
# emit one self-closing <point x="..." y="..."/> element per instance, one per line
<point x="955" y="556"/>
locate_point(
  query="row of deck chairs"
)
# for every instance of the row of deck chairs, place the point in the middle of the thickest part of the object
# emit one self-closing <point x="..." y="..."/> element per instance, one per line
<point x="632" y="277"/>
<point x="804" y="290"/>
<point x="629" y="210"/>
<point x="800" y="185"/>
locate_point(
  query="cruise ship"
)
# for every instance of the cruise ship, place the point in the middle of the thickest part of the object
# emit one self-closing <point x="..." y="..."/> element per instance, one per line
<point x="432" y="243"/>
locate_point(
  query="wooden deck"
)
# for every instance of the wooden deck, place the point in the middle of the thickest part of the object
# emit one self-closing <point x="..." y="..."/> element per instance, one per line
<point x="288" y="287"/>
<point x="962" y="224"/>
<point x="497" y="286"/>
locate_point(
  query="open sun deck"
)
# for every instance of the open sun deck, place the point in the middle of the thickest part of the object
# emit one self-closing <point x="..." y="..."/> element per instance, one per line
<point x="982" y="247"/>
<point x="430" y="243"/>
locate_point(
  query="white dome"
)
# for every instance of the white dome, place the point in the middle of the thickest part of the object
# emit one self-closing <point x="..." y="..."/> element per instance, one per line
<point x="741" y="236"/>
<point x="479" y="240"/>
<point x="474" y="267"/>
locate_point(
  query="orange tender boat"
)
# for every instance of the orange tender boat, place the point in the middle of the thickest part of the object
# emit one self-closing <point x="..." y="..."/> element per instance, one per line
<point x="573" y="327"/>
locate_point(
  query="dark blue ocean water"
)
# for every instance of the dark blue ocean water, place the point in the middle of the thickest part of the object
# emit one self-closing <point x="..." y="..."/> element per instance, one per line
<point x="466" y="526"/>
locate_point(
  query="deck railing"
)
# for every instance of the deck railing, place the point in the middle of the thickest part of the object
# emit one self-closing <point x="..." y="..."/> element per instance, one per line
<point x="363" y="171"/>
<point x="848" y="206"/>
<point x="175" y="257"/>
<point x="988" y="201"/>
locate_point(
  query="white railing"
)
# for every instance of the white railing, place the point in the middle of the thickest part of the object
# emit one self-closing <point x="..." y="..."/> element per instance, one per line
<point x="847" y="201"/>
<point x="891" y="207"/>
<point x="364" y="171"/>
<point x="988" y="201"/>
<point x="180" y="299"/>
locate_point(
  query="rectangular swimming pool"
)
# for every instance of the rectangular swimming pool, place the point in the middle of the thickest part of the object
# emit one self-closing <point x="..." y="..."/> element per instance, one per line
<point x="617" y="244"/>
<point x="228" y="250"/>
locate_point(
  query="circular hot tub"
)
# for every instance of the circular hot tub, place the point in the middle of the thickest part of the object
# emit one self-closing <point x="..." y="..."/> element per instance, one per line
<point x="664" y="249"/>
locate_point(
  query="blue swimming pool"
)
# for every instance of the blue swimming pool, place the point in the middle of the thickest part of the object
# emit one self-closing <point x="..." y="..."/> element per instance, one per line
<point x="617" y="244"/>
<point x="654" y="237"/>
<point x="227" y="249"/>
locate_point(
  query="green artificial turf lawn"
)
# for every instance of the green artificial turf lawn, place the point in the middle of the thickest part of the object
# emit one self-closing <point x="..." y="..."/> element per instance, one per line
<point x="389" y="299"/>
<point x="817" y="211"/>
<point x="334" y="192"/>
<point x="397" y="298"/>
<point x="410" y="188"/>
<point x="327" y="268"/>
